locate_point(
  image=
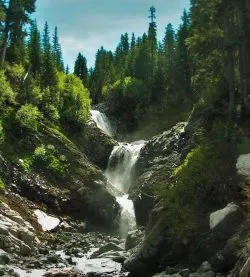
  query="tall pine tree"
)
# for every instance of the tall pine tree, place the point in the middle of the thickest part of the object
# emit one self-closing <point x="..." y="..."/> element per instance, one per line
<point x="17" y="15"/>
<point x="81" y="69"/>
<point x="35" y="55"/>
<point x="57" y="51"/>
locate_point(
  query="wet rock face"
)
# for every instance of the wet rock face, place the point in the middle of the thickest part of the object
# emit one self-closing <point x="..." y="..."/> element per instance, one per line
<point x="96" y="145"/>
<point x="16" y="234"/>
<point x="156" y="159"/>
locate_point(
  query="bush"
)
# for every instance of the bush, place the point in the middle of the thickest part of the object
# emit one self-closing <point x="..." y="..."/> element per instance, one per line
<point x="30" y="92"/>
<point x="28" y="117"/>
<point x="75" y="101"/>
<point x="15" y="74"/>
<point x="2" y="186"/>
<point x="26" y="164"/>
<point x="7" y="96"/>
<point x="51" y="158"/>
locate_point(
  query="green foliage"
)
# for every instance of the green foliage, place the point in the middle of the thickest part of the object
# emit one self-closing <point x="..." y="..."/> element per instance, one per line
<point x="51" y="158"/>
<point x="7" y="96"/>
<point x="81" y="69"/>
<point x="28" y="117"/>
<point x="75" y="100"/>
<point x="1" y="133"/>
<point x="15" y="74"/>
<point x="205" y="180"/>
<point x="126" y="97"/>
<point x="2" y="185"/>
<point x="35" y="55"/>
<point x="26" y="163"/>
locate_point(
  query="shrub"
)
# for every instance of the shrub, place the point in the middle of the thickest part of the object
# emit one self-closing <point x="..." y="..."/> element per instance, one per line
<point x="7" y="96"/>
<point x="2" y="186"/>
<point x="28" y="117"/>
<point x="75" y="101"/>
<point x="16" y="74"/>
<point x="26" y="163"/>
<point x="51" y="158"/>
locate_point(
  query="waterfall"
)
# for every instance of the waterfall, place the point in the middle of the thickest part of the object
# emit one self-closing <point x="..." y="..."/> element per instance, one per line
<point x="102" y="122"/>
<point x="121" y="163"/>
<point x="119" y="172"/>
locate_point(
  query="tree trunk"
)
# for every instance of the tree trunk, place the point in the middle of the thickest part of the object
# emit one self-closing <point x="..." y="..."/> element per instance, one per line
<point x="244" y="89"/>
<point x="230" y="73"/>
<point x="231" y="85"/>
<point x="4" y="48"/>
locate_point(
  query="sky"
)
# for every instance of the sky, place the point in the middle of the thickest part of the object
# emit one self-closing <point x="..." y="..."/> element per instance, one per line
<point x="86" y="25"/>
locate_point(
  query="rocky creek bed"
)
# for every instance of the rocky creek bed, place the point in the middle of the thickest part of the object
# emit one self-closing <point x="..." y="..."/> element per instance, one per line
<point x="70" y="251"/>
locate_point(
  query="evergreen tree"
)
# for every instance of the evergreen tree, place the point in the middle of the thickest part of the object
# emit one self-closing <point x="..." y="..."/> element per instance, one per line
<point x="57" y="51"/>
<point x="49" y="78"/>
<point x="81" y="69"/>
<point x="103" y="74"/>
<point x="133" y="42"/>
<point x="35" y="56"/>
<point x="152" y="31"/>
<point x="17" y="15"/>
<point x="169" y="53"/>
<point x="67" y="69"/>
<point x="183" y="59"/>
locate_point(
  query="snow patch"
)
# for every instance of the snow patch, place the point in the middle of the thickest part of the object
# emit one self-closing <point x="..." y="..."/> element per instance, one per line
<point x="47" y="222"/>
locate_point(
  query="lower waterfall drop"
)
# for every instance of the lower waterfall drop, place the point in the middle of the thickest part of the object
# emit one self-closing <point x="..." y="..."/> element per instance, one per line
<point x="119" y="173"/>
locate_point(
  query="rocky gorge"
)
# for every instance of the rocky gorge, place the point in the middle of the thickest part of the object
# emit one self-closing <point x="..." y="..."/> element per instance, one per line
<point x="106" y="217"/>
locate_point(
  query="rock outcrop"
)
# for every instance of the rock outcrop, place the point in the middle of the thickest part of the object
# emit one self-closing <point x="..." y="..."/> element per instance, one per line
<point x="156" y="159"/>
<point x="83" y="192"/>
<point x="16" y="234"/>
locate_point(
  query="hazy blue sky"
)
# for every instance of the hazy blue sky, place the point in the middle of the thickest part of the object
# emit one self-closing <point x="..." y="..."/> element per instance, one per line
<point x="85" y="25"/>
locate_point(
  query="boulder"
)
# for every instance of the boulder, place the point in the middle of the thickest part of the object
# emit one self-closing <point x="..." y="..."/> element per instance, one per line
<point x="222" y="215"/>
<point x="133" y="239"/>
<point x="16" y="234"/>
<point x="4" y="257"/>
<point x="106" y="248"/>
<point x="96" y="144"/>
<point x="116" y="256"/>
<point x="243" y="166"/>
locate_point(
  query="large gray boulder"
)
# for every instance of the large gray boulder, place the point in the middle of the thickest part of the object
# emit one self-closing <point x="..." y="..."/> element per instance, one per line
<point x="16" y="234"/>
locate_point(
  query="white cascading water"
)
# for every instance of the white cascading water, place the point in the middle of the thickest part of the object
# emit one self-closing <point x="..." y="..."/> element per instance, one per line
<point x="119" y="172"/>
<point x="102" y="122"/>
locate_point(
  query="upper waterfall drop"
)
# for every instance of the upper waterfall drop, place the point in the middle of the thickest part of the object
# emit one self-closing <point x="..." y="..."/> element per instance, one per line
<point x="102" y="122"/>
<point x="121" y="163"/>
